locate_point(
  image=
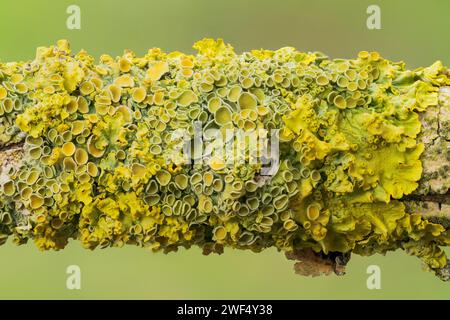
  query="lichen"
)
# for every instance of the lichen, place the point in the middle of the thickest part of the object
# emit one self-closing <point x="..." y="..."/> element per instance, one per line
<point x="98" y="137"/>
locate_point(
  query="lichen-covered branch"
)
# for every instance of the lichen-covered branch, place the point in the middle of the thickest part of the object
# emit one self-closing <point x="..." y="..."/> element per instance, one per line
<point x="91" y="151"/>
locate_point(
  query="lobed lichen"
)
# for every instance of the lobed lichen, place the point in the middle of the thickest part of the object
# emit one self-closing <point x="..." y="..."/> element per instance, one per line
<point x="97" y="138"/>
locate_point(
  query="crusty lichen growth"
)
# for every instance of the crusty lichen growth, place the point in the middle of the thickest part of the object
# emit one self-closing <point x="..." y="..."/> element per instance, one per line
<point x="95" y="164"/>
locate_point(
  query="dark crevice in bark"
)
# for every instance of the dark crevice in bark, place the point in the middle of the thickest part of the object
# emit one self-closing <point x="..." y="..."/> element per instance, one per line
<point x="11" y="146"/>
<point x="438" y="198"/>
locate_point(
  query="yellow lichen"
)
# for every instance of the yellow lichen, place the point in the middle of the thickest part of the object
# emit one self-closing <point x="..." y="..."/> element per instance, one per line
<point x="103" y="161"/>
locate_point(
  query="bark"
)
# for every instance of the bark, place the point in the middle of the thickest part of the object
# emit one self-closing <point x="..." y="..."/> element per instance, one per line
<point x="432" y="198"/>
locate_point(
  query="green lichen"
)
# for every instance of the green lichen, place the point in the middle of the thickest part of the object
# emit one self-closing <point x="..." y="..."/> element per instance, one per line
<point x="97" y="138"/>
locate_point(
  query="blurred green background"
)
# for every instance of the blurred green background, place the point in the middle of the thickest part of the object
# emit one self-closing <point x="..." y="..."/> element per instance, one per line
<point x="415" y="32"/>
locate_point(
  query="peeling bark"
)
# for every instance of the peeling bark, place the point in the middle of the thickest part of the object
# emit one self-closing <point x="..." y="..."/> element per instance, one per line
<point x="310" y="263"/>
